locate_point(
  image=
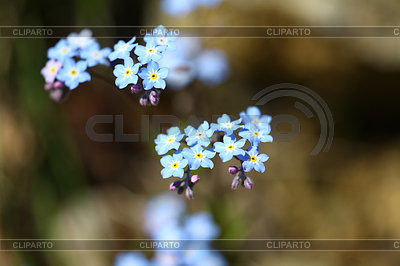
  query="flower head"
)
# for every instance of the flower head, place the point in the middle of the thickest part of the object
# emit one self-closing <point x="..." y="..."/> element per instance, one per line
<point x="122" y="49"/>
<point x="61" y="51"/>
<point x="173" y="165"/>
<point x="168" y="142"/>
<point x="73" y="73"/>
<point x="82" y="39"/>
<point x="252" y="159"/>
<point x="162" y="38"/>
<point x="49" y="72"/>
<point x="197" y="157"/>
<point x="255" y="134"/>
<point x="153" y="76"/>
<point x="253" y="115"/>
<point x="178" y="8"/>
<point x="229" y="148"/>
<point x="152" y="51"/>
<point x="201" y="226"/>
<point x="225" y="124"/>
<point x="200" y="136"/>
<point x="94" y="55"/>
<point x="126" y="73"/>
<point x="212" y="67"/>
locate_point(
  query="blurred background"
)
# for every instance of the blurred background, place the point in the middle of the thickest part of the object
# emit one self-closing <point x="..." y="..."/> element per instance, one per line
<point x="56" y="183"/>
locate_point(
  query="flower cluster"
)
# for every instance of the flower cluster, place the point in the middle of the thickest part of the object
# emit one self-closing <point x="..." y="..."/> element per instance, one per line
<point x="165" y="219"/>
<point x="253" y="127"/>
<point x="69" y="60"/>
<point x="143" y="63"/>
<point x="190" y="61"/>
<point x="179" y="8"/>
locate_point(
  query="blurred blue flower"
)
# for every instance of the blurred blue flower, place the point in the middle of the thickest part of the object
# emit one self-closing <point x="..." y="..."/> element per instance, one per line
<point x="153" y="76"/>
<point x="81" y="40"/>
<point x="252" y="159"/>
<point x="229" y="148"/>
<point x="173" y="165"/>
<point x="182" y="70"/>
<point x="170" y="231"/>
<point x="122" y="49"/>
<point x="126" y="73"/>
<point x="152" y="51"/>
<point x="61" y="51"/>
<point x="200" y="136"/>
<point x="73" y="73"/>
<point x="162" y="210"/>
<point x="131" y="259"/>
<point x="178" y="8"/>
<point x="253" y="115"/>
<point x="255" y="134"/>
<point x="208" y="3"/>
<point x="167" y="258"/>
<point x="162" y="38"/>
<point x="212" y="67"/>
<point x="94" y="55"/>
<point x="197" y="157"/>
<point x="225" y="124"/>
<point x="211" y="258"/>
<point x="168" y="142"/>
<point x="201" y="226"/>
<point x="162" y="220"/>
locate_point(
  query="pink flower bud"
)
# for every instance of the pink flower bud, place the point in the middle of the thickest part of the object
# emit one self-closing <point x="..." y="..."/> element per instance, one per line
<point x="194" y="179"/>
<point x="232" y="170"/>
<point x="136" y="88"/>
<point x="189" y="193"/>
<point x="248" y="183"/>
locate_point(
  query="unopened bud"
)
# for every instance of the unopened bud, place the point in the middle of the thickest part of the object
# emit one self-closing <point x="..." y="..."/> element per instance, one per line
<point x="174" y="185"/>
<point x="154" y="97"/>
<point x="194" y="179"/>
<point x="248" y="183"/>
<point x="232" y="170"/>
<point x="189" y="193"/>
<point x="235" y="181"/>
<point x="48" y="86"/>
<point x="58" y="94"/>
<point x="144" y="101"/>
<point x="58" y="85"/>
<point x="136" y="88"/>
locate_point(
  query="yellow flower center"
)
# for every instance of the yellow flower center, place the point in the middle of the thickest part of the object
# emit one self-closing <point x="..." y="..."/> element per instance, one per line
<point x="151" y="50"/>
<point x="170" y="140"/>
<point x="127" y="72"/>
<point x="52" y="70"/>
<point x="153" y="76"/>
<point x="64" y="50"/>
<point x="199" y="155"/>
<point x="175" y="165"/>
<point x="256" y="133"/>
<point x="253" y="159"/>
<point x="73" y="72"/>
<point x="230" y="147"/>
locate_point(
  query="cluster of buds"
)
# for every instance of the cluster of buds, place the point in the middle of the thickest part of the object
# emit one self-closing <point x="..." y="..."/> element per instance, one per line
<point x="58" y="91"/>
<point x="185" y="185"/>
<point x="239" y="177"/>
<point x="149" y="98"/>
